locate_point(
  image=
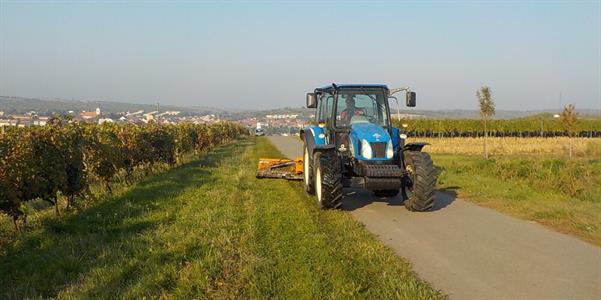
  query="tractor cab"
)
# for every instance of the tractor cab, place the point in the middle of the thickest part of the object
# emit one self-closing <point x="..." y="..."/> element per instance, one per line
<point x="355" y="118"/>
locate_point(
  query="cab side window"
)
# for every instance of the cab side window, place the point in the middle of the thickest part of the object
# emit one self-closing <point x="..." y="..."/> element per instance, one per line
<point x="326" y="104"/>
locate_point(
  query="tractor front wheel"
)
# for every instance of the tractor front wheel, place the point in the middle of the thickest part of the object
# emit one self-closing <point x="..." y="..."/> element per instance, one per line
<point x="308" y="172"/>
<point x="419" y="196"/>
<point x="328" y="179"/>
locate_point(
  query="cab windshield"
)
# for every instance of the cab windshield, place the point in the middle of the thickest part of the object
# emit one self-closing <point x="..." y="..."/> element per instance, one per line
<point x="355" y="107"/>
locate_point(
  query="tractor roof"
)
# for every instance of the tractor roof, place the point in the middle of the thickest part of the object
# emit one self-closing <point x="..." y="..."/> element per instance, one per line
<point x="334" y="87"/>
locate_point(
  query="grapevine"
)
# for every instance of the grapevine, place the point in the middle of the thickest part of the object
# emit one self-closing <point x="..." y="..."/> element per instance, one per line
<point x="60" y="159"/>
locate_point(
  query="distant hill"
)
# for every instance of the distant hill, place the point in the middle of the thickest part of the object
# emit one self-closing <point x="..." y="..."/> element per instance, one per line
<point x="431" y="114"/>
<point x="302" y="112"/>
<point x="19" y="105"/>
<point x="500" y="114"/>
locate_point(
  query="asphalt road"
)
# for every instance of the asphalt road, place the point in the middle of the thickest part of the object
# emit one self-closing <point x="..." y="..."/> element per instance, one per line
<point x="472" y="252"/>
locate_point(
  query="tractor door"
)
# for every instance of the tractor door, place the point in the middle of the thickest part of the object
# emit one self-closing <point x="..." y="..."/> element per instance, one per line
<point x="324" y="113"/>
<point x="340" y="134"/>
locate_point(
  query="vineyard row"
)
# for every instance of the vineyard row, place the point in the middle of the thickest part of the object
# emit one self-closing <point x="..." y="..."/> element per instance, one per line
<point x="64" y="158"/>
<point x="590" y="128"/>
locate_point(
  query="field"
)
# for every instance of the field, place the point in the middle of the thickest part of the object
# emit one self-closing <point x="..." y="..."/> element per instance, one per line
<point x="206" y="229"/>
<point x="531" y="178"/>
<point x="556" y="147"/>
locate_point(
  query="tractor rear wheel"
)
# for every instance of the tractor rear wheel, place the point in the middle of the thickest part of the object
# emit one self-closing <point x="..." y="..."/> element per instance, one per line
<point x="308" y="172"/>
<point x="328" y="179"/>
<point x="386" y="193"/>
<point x="420" y="195"/>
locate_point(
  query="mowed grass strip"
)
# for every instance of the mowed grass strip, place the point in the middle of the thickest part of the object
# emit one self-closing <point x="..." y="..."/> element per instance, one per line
<point x="563" y="195"/>
<point x="208" y="229"/>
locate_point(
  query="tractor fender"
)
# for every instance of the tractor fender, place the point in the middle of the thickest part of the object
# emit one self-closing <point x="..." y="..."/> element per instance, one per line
<point x="417" y="146"/>
<point x="315" y="139"/>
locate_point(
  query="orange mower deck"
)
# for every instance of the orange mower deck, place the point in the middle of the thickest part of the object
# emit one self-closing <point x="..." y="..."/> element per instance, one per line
<point x="280" y="168"/>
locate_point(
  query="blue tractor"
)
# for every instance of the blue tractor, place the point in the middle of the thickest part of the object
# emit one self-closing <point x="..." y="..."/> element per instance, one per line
<point x="352" y="143"/>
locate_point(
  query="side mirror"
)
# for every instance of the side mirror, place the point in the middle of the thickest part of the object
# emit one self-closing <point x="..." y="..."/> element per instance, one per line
<point x="311" y="100"/>
<point x="410" y="99"/>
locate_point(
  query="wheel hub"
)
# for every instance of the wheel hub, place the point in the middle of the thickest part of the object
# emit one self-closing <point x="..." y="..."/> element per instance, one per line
<point x="318" y="184"/>
<point x="306" y="168"/>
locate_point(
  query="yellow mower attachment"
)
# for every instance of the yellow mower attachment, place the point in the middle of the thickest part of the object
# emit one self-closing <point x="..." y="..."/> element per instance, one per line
<point x="280" y="168"/>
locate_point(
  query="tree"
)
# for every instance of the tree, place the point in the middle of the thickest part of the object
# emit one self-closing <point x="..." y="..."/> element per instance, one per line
<point x="487" y="110"/>
<point x="568" y="118"/>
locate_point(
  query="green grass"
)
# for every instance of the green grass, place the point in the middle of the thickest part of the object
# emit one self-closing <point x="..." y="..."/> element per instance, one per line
<point x="207" y="229"/>
<point x="565" y="196"/>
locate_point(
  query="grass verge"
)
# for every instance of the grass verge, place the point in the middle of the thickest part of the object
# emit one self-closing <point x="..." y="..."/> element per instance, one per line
<point x="207" y="229"/>
<point x="563" y="195"/>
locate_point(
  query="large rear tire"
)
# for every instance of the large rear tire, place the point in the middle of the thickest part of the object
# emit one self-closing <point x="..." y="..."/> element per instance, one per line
<point x="420" y="195"/>
<point x="328" y="179"/>
<point x="308" y="172"/>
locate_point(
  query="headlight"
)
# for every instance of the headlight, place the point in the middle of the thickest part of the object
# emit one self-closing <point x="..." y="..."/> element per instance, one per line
<point x="403" y="136"/>
<point x="366" y="149"/>
<point x="389" y="150"/>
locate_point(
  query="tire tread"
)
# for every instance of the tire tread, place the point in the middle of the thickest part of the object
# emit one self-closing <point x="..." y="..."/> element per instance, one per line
<point x="424" y="185"/>
<point x="329" y="164"/>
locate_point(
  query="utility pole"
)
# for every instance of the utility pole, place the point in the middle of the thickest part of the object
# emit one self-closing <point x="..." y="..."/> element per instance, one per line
<point x="157" y="115"/>
<point x="560" y="100"/>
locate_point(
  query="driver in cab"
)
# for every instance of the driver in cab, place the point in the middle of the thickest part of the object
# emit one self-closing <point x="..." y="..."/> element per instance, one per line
<point x="350" y="110"/>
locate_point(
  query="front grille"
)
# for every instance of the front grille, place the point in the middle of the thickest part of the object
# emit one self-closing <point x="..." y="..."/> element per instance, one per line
<point x="379" y="149"/>
<point x="382" y="171"/>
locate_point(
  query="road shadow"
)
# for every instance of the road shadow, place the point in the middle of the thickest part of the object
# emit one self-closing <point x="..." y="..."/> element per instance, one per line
<point x="355" y="198"/>
<point x="358" y="198"/>
<point x="444" y="197"/>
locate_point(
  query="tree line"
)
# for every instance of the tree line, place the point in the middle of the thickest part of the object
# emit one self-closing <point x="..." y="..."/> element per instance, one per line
<point x="61" y="160"/>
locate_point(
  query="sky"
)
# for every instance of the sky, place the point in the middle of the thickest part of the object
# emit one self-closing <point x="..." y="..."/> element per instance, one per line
<point x="268" y="54"/>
